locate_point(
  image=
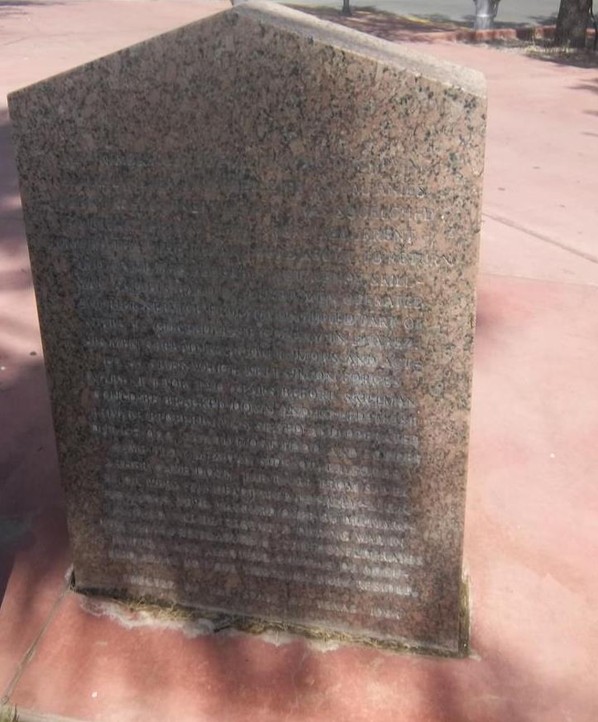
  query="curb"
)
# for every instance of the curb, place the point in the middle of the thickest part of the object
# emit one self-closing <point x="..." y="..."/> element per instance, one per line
<point x="531" y="32"/>
<point x="528" y="32"/>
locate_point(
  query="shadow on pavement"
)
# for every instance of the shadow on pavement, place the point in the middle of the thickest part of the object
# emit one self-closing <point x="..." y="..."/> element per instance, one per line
<point x="389" y="26"/>
<point x="25" y="3"/>
<point x="381" y="23"/>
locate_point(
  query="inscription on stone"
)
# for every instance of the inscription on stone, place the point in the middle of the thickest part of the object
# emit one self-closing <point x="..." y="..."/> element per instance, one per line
<point x="254" y="243"/>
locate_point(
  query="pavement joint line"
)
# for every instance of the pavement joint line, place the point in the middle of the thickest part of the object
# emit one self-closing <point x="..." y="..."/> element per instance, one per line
<point x="514" y="276"/>
<point x="28" y="656"/>
<point x="541" y="237"/>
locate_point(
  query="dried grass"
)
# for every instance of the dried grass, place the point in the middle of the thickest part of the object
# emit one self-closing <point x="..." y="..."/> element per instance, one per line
<point x="8" y="714"/>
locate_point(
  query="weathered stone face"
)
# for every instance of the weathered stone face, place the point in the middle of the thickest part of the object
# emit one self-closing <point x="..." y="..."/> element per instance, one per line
<point x="254" y="242"/>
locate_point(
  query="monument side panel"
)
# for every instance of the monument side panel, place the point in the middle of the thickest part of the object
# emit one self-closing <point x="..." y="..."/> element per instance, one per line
<point x="254" y="243"/>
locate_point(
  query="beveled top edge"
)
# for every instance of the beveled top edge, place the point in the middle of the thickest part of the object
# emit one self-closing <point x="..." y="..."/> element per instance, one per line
<point x="360" y="43"/>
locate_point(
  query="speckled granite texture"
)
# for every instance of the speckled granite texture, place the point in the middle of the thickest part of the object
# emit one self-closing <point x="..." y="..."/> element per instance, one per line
<point x="254" y="242"/>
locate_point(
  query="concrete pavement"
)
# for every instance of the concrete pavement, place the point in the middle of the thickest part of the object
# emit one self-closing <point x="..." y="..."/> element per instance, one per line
<point x="532" y="536"/>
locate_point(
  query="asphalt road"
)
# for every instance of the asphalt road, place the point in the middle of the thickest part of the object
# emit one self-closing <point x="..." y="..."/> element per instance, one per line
<point x="509" y="11"/>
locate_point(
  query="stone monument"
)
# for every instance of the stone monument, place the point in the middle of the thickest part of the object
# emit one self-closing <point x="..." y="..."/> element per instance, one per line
<point x="254" y="243"/>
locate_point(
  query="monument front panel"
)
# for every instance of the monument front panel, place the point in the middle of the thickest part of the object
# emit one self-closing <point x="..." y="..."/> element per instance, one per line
<point x="254" y="242"/>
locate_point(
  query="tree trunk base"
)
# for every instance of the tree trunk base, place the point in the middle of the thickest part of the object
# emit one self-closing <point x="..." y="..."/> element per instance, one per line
<point x="572" y="23"/>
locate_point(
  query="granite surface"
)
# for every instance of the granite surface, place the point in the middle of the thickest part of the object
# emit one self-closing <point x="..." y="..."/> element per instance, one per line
<point x="254" y="242"/>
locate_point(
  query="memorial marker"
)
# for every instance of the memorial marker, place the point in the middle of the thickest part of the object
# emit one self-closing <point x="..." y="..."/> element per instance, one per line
<point x="254" y="242"/>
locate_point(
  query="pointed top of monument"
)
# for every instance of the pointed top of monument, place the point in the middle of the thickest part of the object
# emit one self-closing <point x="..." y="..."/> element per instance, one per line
<point x="260" y="13"/>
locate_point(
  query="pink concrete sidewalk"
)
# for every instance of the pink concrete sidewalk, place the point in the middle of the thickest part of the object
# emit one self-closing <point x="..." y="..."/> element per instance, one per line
<point x="532" y="521"/>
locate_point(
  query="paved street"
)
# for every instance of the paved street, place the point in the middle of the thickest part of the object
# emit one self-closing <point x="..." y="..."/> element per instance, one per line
<point x="510" y="11"/>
